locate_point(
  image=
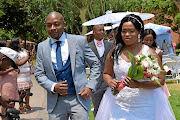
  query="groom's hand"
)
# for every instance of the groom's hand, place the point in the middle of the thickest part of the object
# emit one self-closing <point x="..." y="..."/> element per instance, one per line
<point x="61" y="87"/>
<point x="85" y="93"/>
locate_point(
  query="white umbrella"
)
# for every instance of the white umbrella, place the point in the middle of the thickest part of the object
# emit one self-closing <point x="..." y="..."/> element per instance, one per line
<point x="110" y="17"/>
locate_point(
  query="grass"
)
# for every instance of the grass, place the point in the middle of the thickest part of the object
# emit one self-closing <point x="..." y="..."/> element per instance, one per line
<point x="174" y="99"/>
<point x="177" y="51"/>
<point x="91" y="115"/>
<point x="34" y="62"/>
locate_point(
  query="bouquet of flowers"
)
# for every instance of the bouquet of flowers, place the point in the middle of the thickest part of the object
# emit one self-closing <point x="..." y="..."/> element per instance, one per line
<point x="142" y="67"/>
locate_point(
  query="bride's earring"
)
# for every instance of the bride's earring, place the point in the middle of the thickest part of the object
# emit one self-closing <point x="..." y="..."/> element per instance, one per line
<point x="139" y="39"/>
<point x="139" y="36"/>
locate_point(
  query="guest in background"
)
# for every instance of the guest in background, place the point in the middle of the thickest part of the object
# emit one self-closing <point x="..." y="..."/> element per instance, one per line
<point x="3" y="43"/>
<point x="149" y="38"/>
<point x="24" y="77"/>
<point x="110" y="35"/>
<point x="101" y="48"/>
<point x="31" y="54"/>
<point x="8" y="76"/>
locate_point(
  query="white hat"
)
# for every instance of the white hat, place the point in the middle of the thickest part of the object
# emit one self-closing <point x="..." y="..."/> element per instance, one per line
<point x="11" y="54"/>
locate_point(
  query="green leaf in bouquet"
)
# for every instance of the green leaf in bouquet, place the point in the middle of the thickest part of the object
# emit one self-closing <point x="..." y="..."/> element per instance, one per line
<point x="142" y="58"/>
<point x="158" y="82"/>
<point x="164" y="64"/>
<point x="140" y="73"/>
<point x="150" y="55"/>
<point x="132" y="70"/>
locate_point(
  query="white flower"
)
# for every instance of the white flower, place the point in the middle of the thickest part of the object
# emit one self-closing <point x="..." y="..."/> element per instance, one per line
<point x="152" y="66"/>
<point x="166" y="68"/>
<point x="144" y="63"/>
<point x="138" y="57"/>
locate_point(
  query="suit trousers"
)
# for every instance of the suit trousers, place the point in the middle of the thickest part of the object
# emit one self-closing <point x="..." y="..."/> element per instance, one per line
<point x="68" y="107"/>
<point x="96" y="99"/>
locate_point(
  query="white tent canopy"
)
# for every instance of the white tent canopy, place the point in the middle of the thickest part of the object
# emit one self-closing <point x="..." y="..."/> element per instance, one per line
<point x="164" y="37"/>
<point x="159" y="29"/>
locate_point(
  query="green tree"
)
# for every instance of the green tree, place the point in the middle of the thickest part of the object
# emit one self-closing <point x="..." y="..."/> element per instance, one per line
<point x="26" y="18"/>
<point x="13" y="17"/>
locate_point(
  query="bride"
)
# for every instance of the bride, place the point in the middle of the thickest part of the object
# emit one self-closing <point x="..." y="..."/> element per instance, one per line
<point x="138" y="100"/>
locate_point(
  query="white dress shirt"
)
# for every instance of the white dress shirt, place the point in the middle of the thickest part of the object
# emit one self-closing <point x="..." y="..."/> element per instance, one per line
<point x="64" y="52"/>
<point x="64" y="49"/>
<point x="100" y="49"/>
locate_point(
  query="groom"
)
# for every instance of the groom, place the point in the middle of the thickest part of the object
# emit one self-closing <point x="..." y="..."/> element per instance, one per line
<point x="60" y="69"/>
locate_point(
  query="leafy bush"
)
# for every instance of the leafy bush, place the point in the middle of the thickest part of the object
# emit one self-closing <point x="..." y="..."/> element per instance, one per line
<point x="178" y="46"/>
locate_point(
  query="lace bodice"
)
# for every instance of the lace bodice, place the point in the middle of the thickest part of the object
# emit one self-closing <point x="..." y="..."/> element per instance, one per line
<point x="121" y="68"/>
<point x="121" y="71"/>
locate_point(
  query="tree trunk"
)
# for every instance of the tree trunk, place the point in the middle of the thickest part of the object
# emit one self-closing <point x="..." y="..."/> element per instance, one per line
<point x="179" y="34"/>
<point x="177" y="3"/>
<point x="102" y="5"/>
<point x="83" y="19"/>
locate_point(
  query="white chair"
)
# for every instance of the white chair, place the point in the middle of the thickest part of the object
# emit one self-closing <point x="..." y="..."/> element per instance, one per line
<point x="178" y="67"/>
<point x="88" y="72"/>
<point x="178" y="71"/>
<point x="171" y="54"/>
<point x="165" y="56"/>
<point x="166" y="59"/>
<point x="172" y="66"/>
<point x="178" y="79"/>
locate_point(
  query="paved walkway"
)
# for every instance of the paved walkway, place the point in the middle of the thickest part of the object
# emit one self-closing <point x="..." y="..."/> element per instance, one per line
<point x="37" y="102"/>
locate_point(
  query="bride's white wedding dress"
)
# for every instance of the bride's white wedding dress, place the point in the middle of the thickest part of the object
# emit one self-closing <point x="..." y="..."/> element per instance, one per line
<point x="134" y="103"/>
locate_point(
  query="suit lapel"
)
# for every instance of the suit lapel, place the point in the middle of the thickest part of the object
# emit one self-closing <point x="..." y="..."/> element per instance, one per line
<point x="105" y="48"/>
<point x="72" y="50"/>
<point x="48" y="54"/>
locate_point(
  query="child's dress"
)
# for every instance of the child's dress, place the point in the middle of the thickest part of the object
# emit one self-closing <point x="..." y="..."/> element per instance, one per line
<point x="8" y="85"/>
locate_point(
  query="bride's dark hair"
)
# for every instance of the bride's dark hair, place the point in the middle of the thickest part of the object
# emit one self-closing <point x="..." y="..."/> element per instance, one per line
<point x="139" y="25"/>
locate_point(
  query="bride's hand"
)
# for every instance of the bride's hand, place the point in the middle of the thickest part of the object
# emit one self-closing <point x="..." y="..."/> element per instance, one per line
<point x="130" y="82"/>
<point x="113" y="83"/>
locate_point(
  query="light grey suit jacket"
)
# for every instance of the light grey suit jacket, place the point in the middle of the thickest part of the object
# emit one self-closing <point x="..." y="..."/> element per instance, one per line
<point x="79" y="53"/>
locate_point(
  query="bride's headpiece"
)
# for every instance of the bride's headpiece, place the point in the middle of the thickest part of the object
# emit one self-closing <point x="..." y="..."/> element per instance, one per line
<point x="137" y="21"/>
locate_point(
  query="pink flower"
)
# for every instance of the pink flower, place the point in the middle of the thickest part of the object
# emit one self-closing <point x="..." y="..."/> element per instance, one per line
<point x="145" y="74"/>
<point x="150" y="74"/>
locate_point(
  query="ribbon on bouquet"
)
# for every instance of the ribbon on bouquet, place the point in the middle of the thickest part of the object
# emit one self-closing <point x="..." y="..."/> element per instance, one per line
<point x="121" y="85"/>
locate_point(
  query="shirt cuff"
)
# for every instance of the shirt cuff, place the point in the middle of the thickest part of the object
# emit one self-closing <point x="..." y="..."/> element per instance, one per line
<point x="52" y="88"/>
